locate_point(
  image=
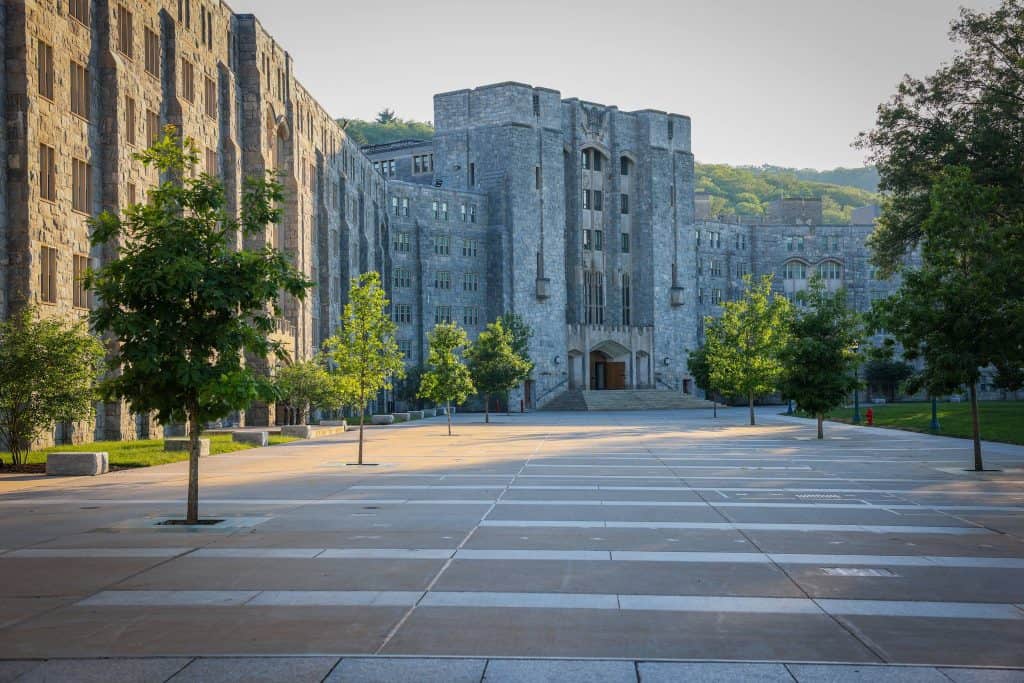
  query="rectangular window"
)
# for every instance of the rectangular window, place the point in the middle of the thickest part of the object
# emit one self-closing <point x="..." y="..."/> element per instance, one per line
<point x="625" y="243"/>
<point x="469" y="247"/>
<point x="422" y="163"/>
<point x="47" y="173"/>
<point x="442" y="245"/>
<point x="130" y="189"/>
<point x="472" y="213"/>
<point x="211" y="162"/>
<point x="79" y="90"/>
<point x="623" y="166"/>
<point x="81" y="294"/>
<point x="597" y="160"/>
<point x="437" y="210"/>
<point x="401" y="313"/>
<point x="125" y="34"/>
<point x="401" y="243"/>
<point x="405" y="347"/>
<point x="536" y="177"/>
<point x="470" y="316"/>
<point x="391" y="168"/>
<point x="152" y="127"/>
<point x="470" y="282"/>
<point x="79" y="10"/>
<point x="598" y="199"/>
<point x="598" y="240"/>
<point x="586" y="199"/>
<point x="44" y="68"/>
<point x="48" y="275"/>
<point x="152" y="46"/>
<point x="624" y="203"/>
<point x="405" y="206"/>
<point x="81" y="186"/>
<point x="188" y="82"/>
<point x="585" y="160"/>
<point x="472" y="175"/>
<point x="442" y="280"/>
<point x="442" y="314"/>
<point x="586" y="240"/>
<point x="536" y="104"/>
<point x="464" y="213"/>
<point x="627" y="296"/>
<point x="716" y="296"/>
<point x="210" y="96"/>
<point x="394" y="205"/>
<point x="129" y="120"/>
<point x="401" y="278"/>
<point x="593" y="297"/>
<point x="444" y="211"/>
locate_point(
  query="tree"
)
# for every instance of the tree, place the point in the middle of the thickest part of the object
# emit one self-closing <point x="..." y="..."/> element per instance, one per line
<point x="888" y="374"/>
<point x="364" y="347"/>
<point x="820" y="358"/>
<point x="48" y="373"/>
<point x="951" y="311"/>
<point x="697" y="362"/>
<point x="447" y="378"/>
<point x="386" y="116"/>
<point x="183" y="304"/>
<point x="743" y="346"/>
<point x="493" y="364"/>
<point x="305" y="385"/>
<point x="407" y="389"/>
<point x="521" y="335"/>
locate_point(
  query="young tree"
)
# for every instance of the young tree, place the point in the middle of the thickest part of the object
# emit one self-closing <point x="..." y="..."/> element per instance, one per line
<point x="446" y="378"/>
<point x="306" y="385"/>
<point x="697" y="362"/>
<point x="183" y="304"/>
<point x="743" y="346"/>
<point x="521" y="334"/>
<point x="364" y="347"/>
<point x="48" y="373"/>
<point x="493" y="365"/>
<point x="820" y="360"/>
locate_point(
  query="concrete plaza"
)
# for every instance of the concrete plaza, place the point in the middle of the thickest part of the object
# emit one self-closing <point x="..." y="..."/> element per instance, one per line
<point x="550" y="546"/>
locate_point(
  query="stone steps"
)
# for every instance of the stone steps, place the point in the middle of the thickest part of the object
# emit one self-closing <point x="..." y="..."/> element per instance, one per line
<point x="567" y="400"/>
<point x="624" y="399"/>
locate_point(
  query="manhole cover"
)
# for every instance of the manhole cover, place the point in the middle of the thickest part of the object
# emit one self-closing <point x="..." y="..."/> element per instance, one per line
<point x="858" y="571"/>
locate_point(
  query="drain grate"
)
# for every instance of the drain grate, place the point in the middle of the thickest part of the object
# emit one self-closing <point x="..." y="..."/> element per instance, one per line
<point x="820" y="496"/>
<point x="858" y="571"/>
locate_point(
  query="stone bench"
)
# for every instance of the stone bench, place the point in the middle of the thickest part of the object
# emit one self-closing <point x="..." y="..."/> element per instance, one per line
<point x="77" y="464"/>
<point x="310" y="431"/>
<point x="382" y="419"/>
<point x="415" y="414"/>
<point x="401" y="417"/>
<point x="171" y="445"/>
<point x="259" y="439"/>
<point x="334" y="423"/>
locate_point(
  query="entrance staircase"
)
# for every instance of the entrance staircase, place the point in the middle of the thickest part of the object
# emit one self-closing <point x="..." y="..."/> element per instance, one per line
<point x="624" y="399"/>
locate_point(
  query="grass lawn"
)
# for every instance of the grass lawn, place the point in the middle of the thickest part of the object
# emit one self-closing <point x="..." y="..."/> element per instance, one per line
<point x="146" y="453"/>
<point x="999" y="420"/>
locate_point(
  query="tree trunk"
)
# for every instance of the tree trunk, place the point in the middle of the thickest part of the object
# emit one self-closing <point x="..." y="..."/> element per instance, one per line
<point x="821" y="431"/>
<point x="192" y="505"/>
<point x="976" y="429"/>
<point x="714" y="407"/>
<point x="448" y="413"/>
<point x="362" y="418"/>
<point x="487" y="408"/>
<point x="751" y="400"/>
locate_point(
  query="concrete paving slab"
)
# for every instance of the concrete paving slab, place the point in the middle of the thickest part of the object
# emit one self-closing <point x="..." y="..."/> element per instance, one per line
<point x="49" y="577"/>
<point x="827" y="673"/>
<point x="104" y="670"/>
<point x="256" y="670"/>
<point x="419" y="669"/>
<point x="712" y="672"/>
<point x="959" y="675"/>
<point x="11" y="670"/>
<point x="559" y="671"/>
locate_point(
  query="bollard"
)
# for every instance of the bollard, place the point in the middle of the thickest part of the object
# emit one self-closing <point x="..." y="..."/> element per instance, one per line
<point x="870" y="416"/>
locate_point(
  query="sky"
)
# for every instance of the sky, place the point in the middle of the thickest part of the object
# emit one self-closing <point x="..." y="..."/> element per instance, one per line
<point x="782" y="82"/>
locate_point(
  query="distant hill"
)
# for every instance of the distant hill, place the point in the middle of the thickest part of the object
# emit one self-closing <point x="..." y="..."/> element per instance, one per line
<point x="741" y="190"/>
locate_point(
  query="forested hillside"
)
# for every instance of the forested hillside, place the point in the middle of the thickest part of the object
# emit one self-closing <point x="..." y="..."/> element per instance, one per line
<point x="741" y="190"/>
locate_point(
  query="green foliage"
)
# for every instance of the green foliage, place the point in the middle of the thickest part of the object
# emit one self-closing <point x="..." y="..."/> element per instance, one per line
<point x="306" y="385"/>
<point x="521" y="334"/>
<point x="407" y="388"/>
<point x="820" y="360"/>
<point x="391" y="130"/>
<point x="746" y="190"/>
<point x="494" y="365"/>
<point x="1003" y="420"/>
<point x="48" y="373"/>
<point x="743" y="346"/>
<point x="185" y="306"/>
<point x="888" y="374"/>
<point x="700" y="369"/>
<point x="447" y="379"/>
<point x="364" y="347"/>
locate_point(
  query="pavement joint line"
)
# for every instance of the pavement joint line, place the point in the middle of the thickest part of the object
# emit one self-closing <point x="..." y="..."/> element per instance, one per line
<point x="716" y="489"/>
<point x="738" y="526"/>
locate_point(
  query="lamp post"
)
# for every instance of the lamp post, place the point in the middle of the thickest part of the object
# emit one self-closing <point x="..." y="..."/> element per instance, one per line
<point x="934" y="426"/>
<point x="856" y="389"/>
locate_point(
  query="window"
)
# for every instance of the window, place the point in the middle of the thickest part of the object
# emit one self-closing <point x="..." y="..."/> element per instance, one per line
<point x="586" y="199"/>
<point x="598" y="240"/>
<point x="470" y="282"/>
<point x="472" y="213"/>
<point x="625" y="243"/>
<point x="470" y="315"/>
<point x="830" y="270"/>
<point x="80" y="293"/>
<point x="124" y="31"/>
<point x="405" y="347"/>
<point x="472" y="175"/>
<point x="536" y="177"/>
<point x="833" y="243"/>
<point x="626" y="299"/>
<point x="129" y="120"/>
<point x="697" y="233"/>
<point x="464" y="213"/>
<point x="469" y="247"/>
<point x="437" y="210"/>
<point x="401" y="278"/>
<point x="210" y="96"/>
<point x="597" y="160"/>
<point x="44" y="67"/>
<point x="394" y="205"/>
<point x="47" y="173"/>
<point x="401" y="243"/>
<point x="716" y="297"/>
<point x="593" y="296"/>
<point x="442" y="314"/>
<point x="624" y="164"/>
<point x="442" y="245"/>
<point x="152" y="48"/>
<point x="794" y="244"/>
<point x="130" y="191"/>
<point x="442" y="280"/>
<point x="585" y="159"/>
<point x="401" y="313"/>
<point x="444" y="211"/>
<point x="188" y="82"/>
<point x="700" y="266"/>
<point x="716" y="268"/>
<point x="598" y="200"/>
<point x="48" y="275"/>
<point x="188" y="14"/>
<point x="586" y="240"/>
<point x="79" y="90"/>
<point x="422" y="163"/>
<point x="700" y="295"/>
<point x="536" y="104"/>
<point x="795" y="270"/>
<point x="152" y="127"/>
<point x="79" y="9"/>
<point x="211" y="162"/>
<point x="81" y="186"/>
<point x="405" y="206"/>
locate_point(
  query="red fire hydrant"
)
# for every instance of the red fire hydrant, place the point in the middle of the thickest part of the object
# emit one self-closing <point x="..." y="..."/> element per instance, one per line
<point x="870" y="415"/>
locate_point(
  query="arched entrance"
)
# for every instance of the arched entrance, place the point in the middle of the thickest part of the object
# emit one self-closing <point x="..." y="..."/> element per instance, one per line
<point x="610" y="366"/>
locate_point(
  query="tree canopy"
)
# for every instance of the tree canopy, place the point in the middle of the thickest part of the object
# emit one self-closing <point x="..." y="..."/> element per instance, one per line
<point x="446" y="379"/>
<point x="494" y="365"/>
<point x="306" y="385"/>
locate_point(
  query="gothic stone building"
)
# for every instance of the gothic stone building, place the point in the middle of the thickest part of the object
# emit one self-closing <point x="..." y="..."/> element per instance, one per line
<point x="577" y="216"/>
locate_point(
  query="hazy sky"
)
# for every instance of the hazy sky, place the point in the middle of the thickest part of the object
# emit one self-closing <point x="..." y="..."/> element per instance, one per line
<point x="786" y="82"/>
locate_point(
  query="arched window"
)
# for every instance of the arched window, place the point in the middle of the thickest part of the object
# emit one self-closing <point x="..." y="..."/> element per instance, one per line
<point x="795" y="270"/>
<point x="830" y="270"/>
<point x="625" y="166"/>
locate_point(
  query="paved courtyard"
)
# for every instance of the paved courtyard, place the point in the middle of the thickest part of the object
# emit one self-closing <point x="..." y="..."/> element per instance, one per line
<point x="603" y="546"/>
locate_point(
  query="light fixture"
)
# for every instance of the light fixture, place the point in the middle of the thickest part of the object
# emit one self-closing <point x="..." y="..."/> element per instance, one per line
<point x="667" y="360"/>
<point x="557" y="360"/>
